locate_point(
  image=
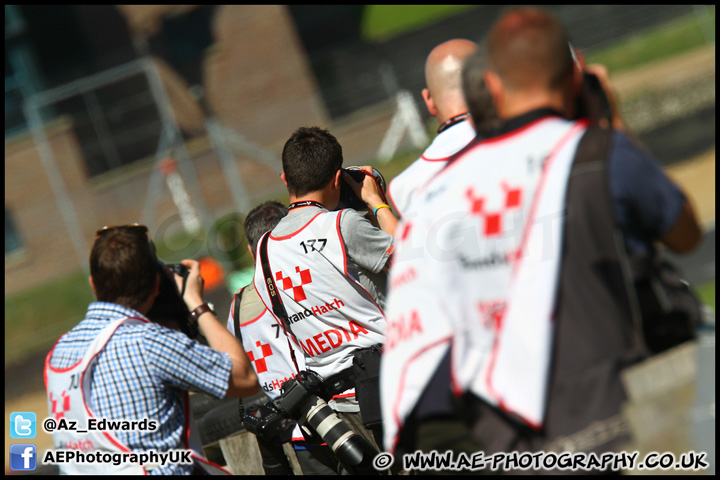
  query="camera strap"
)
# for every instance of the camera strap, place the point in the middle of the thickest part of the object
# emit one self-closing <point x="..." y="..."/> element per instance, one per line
<point x="236" y="314"/>
<point x="452" y="122"/>
<point x="274" y="294"/>
<point x="306" y="203"/>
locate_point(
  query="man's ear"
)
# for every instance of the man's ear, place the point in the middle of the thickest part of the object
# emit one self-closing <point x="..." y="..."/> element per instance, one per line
<point x="156" y="288"/>
<point x="92" y="285"/>
<point x="282" y="176"/>
<point x="429" y="102"/>
<point x="337" y="180"/>
<point x="495" y="87"/>
<point x="251" y="251"/>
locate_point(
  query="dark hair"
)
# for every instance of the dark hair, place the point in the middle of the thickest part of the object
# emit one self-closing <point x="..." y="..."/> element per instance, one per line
<point x="477" y="96"/>
<point x="530" y="46"/>
<point x="310" y="159"/>
<point x="261" y="219"/>
<point x="123" y="267"/>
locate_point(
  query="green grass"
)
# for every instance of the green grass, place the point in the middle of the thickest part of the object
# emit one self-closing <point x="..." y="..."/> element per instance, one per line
<point x="706" y="293"/>
<point x="35" y="318"/>
<point x="674" y="38"/>
<point x="382" y="22"/>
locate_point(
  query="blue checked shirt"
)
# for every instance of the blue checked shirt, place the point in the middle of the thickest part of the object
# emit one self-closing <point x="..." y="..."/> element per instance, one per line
<point x="143" y="372"/>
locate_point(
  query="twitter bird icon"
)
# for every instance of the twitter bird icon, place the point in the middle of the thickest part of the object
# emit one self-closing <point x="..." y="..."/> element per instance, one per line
<point x="23" y="425"/>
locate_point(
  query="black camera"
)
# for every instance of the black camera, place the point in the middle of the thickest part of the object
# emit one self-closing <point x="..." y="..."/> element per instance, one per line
<point x="268" y="423"/>
<point x="179" y="269"/>
<point x="592" y="102"/>
<point x="348" y="199"/>
<point x="300" y="400"/>
<point x="169" y="309"/>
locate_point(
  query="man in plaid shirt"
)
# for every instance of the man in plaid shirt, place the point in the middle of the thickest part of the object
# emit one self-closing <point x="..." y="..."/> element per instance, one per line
<point x="144" y="370"/>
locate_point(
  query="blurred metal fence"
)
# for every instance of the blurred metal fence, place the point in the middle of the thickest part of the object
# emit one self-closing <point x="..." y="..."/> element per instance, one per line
<point x="358" y="82"/>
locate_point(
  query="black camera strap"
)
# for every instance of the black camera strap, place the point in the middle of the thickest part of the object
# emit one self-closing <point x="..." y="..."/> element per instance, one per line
<point x="236" y="313"/>
<point x="451" y="122"/>
<point x="306" y="203"/>
<point x="274" y="294"/>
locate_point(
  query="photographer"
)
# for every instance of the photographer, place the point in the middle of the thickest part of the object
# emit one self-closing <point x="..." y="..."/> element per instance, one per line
<point x="135" y="369"/>
<point x="535" y="299"/>
<point x="275" y="358"/>
<point x="444" y="100"/>
<point x="328" y="268"/>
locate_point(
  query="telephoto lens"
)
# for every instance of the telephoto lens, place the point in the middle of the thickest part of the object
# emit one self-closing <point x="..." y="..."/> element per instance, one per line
<point x="353" y="451"/>
<point x="300" y="401"/>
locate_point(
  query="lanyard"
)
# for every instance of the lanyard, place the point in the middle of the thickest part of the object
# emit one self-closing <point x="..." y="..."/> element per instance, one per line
<point x="452" y="121"/>
<point x="306" y="203"/>
<point x="277" y="305"/>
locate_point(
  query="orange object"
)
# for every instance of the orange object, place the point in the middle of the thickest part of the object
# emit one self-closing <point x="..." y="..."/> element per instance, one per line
<point x="212" y="273"/>
<point x="168" y="166"/>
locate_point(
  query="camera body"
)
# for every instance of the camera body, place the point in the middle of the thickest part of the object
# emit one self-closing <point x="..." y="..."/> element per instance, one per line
<point x="179" y="269"/>
<point x="348" y="199"/>
<point x="169" y="309"/>
<point x="267" y="422"/>
<point x="592" y="102"/>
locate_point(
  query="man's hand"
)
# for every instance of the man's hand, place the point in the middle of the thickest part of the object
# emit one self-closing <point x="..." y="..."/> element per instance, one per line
<point x="243" y="380"/>
<point x="368" y="191"/>
<point x="686" y="234"/>
<point x="601" y="72"/>
<point x="193" y="296"/>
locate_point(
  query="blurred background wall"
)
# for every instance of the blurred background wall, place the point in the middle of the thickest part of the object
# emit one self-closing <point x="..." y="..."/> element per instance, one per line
<point x="83" y="146"/>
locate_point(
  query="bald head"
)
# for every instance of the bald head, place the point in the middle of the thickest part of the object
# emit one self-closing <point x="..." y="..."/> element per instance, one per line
<point x="528" y="48"/>
<point x="443" y="69"/>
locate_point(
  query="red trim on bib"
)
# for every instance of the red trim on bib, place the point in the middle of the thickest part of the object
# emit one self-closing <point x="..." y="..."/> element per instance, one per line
<point x="443" y="159"/>
<point x="389" y="196"/>
<point x="59" y="370"/>
<point x="343" y="395"/>
<point x="254" y="319"/>
<point x="290" y="235"/>
<point x="110" y="437"/>
<point x="516" y="267"/>
<point x="208" y="462"/>
<point x="342" y="243"/>
<point x="499" y="138"/>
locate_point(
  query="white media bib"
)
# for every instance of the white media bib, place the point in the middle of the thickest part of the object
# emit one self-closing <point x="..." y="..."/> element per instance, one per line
<point x="475" y="270"/>
<point x="329" y="312"/>
<point x="402" y="188"/>
<point x="268" y="349"/>
<point x="69" y="398"/>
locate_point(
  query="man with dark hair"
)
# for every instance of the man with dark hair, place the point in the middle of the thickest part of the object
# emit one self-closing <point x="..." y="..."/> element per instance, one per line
<point x="275" y="357"/>
<point x="477" y="97"/>
<point x="524" y="273"/>
<point x="328" y="266"/>
<point x="261" y="220"/>
<point x="118" y="365"/>
<point x="444" y="100"/>
<point x="310" y="146"/>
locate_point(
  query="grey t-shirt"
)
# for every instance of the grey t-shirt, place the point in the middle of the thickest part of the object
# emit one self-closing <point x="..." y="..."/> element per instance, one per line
<point x="368" y="248"/>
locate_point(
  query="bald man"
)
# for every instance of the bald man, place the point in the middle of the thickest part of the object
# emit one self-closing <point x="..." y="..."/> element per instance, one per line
<point x="444" y="100"/>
